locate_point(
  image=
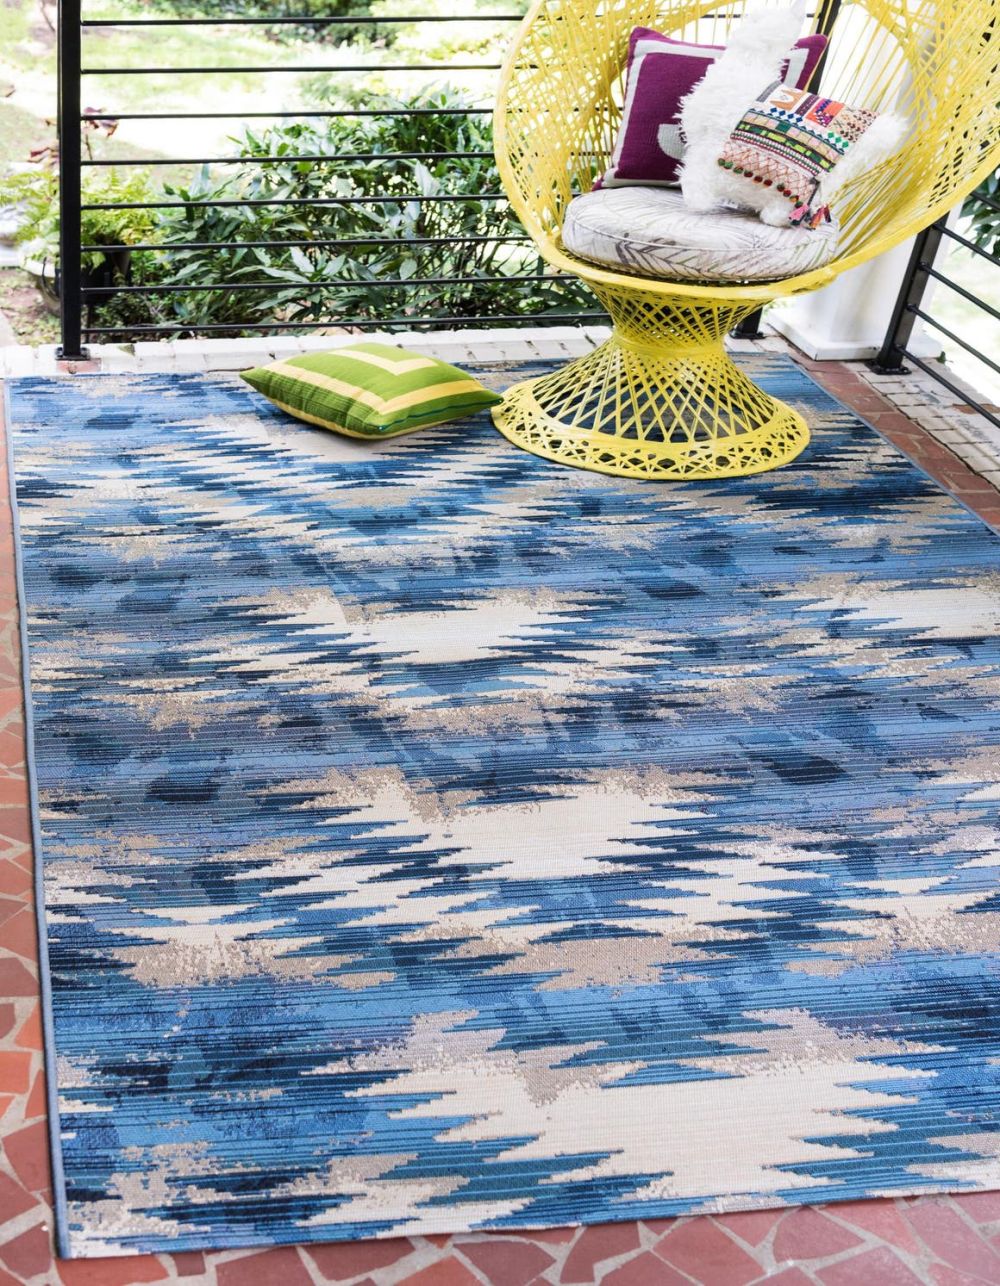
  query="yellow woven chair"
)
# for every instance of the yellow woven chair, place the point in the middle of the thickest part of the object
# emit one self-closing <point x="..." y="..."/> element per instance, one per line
<point x="661" y="398"/>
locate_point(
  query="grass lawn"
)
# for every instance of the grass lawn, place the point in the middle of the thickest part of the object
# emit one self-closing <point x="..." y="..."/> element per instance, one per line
<point x="20" y="131"/>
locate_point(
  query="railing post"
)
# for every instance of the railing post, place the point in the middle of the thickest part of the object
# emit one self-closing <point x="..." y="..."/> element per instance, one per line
<point x="825" y="19"/>
<point x="70" y="296"/>
<point x="749" y="327"/>
<point x="911" y="292"/>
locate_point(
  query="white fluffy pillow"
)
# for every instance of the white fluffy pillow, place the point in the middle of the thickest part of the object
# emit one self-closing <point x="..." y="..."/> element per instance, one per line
<point x="761" y="145"/>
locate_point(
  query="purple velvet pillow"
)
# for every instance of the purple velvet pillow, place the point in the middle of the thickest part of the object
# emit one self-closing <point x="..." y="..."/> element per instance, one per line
<point x="661" y="73"/>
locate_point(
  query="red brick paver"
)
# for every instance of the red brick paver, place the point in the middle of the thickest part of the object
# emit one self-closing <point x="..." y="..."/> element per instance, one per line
<point x="281" y="1266"/>
<point x="809" y="1234"/>
<point x="930" y="1241"/>
<point x="506" y="1261"/>
<point x="345" y="1261"/>
<point x="597" y="1244"/>
<point x="703" y="1250"/>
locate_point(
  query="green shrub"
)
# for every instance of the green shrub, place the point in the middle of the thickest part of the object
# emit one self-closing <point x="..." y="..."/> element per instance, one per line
<point x="340" y="281"/>
<point x="36" y="191"/>
<point x="985" y="217"/>
<point x="281" y="9"/>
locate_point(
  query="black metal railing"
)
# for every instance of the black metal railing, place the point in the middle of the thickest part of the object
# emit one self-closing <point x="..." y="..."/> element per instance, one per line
<point x="924" y="267"/>
<point x="81" y="294"/>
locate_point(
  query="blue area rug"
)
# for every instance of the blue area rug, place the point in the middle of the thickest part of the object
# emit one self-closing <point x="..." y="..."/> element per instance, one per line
<point x="436" y="838"/>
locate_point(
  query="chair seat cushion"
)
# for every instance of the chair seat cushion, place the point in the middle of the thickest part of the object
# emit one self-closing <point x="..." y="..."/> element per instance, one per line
<point x="650" y="232"/>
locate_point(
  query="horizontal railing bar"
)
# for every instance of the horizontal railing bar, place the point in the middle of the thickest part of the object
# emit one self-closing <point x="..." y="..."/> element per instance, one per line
<point x="339" y="20"/>
<point x="275" y="160"/>
<point x="963" y="343"/>
<point x="971" y="245"/>
<point x="983" y="199"/>
<point x="318" y="67"/>
<point x="297" y="200"/>
<point x="952" y="388"/>
<point x="179" y="289"/>
<point x="329" y="243"/>
<point x="532" y="319"/>
<point x="293" y="115"/>
<point x="960" y="290"/>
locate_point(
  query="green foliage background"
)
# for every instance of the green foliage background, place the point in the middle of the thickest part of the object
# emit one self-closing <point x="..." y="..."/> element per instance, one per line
<point x="405" y="239"/>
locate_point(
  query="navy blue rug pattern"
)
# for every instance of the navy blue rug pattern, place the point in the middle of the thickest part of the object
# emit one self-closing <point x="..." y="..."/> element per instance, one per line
<point x="435" y="838"/>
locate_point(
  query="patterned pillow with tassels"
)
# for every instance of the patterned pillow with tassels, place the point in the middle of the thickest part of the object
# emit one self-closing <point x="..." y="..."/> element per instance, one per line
<point x="800" y="147"/>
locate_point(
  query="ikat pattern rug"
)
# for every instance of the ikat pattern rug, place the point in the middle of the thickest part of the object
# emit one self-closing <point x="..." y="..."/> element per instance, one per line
<point x="434" y="838"/>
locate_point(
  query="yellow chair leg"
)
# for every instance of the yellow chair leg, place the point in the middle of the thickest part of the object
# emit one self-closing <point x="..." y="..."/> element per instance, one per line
<point x="660" y="399"/>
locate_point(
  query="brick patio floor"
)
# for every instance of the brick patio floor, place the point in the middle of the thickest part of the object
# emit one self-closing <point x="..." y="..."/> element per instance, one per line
<point x="949" y="1241"/>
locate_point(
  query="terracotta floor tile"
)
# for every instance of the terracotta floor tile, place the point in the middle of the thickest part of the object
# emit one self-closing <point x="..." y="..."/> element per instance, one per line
<point x="549" y="1236"/>
<point x="446" y="1272"/>
<point x="983" y="1207"/>
<point x="596" y="1243"/>
<point x="659" y="1226"/>
<point x="807" y="1234"/>
<point x="789" y="1277"/>
<point x="506" y="1262"/>
<point x="27" y="1151"/>
<point x="943" y="1230"/>
<point x="13" y="790"/>
<point x="10" y="698"/>
<point x="15" y="1071"/>
<point x="132" y="1270"/>
<point x="14" y="1199"/>
<point x="882" y="1219"/>
<point x="14" y="881"/>
<point x="15" y="824"/>
<point x="647" y="1270"/>
<point x="20" y="935"/>
<point x="15" y="980"/>
<point x="942" y="1275"/>
<point x="83" y="367"/>
<point x="340" y="1261"/>
<point x="29" y="1254"/>
<point x="11" y="749"/>
<point x="279" y="1266"/>
<point x="7" y="1279"/>
<point x="36" y="1103"/>
<point x="878" y="1267"/>
<point x="9" y="907"/>
<point x="8" y="1017"/>
<point x="188" y="1263"/>
<point x="5" y="1102"/>
<point x="752" y="1226"/>
<point x="29" y="1034"/>
<point x="702" y="1250"/>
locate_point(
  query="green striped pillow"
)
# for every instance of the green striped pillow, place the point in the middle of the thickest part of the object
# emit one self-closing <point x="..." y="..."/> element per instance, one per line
<point x="370" y="390"/>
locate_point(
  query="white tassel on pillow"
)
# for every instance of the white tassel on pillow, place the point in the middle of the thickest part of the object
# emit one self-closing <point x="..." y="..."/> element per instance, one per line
<point x="752" y="60"/>
<point x="879" y="141"/>
<point x="781" y="151"/>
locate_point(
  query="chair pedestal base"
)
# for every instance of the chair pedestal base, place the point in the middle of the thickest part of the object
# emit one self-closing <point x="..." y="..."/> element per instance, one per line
<point x="657" y="401"/>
